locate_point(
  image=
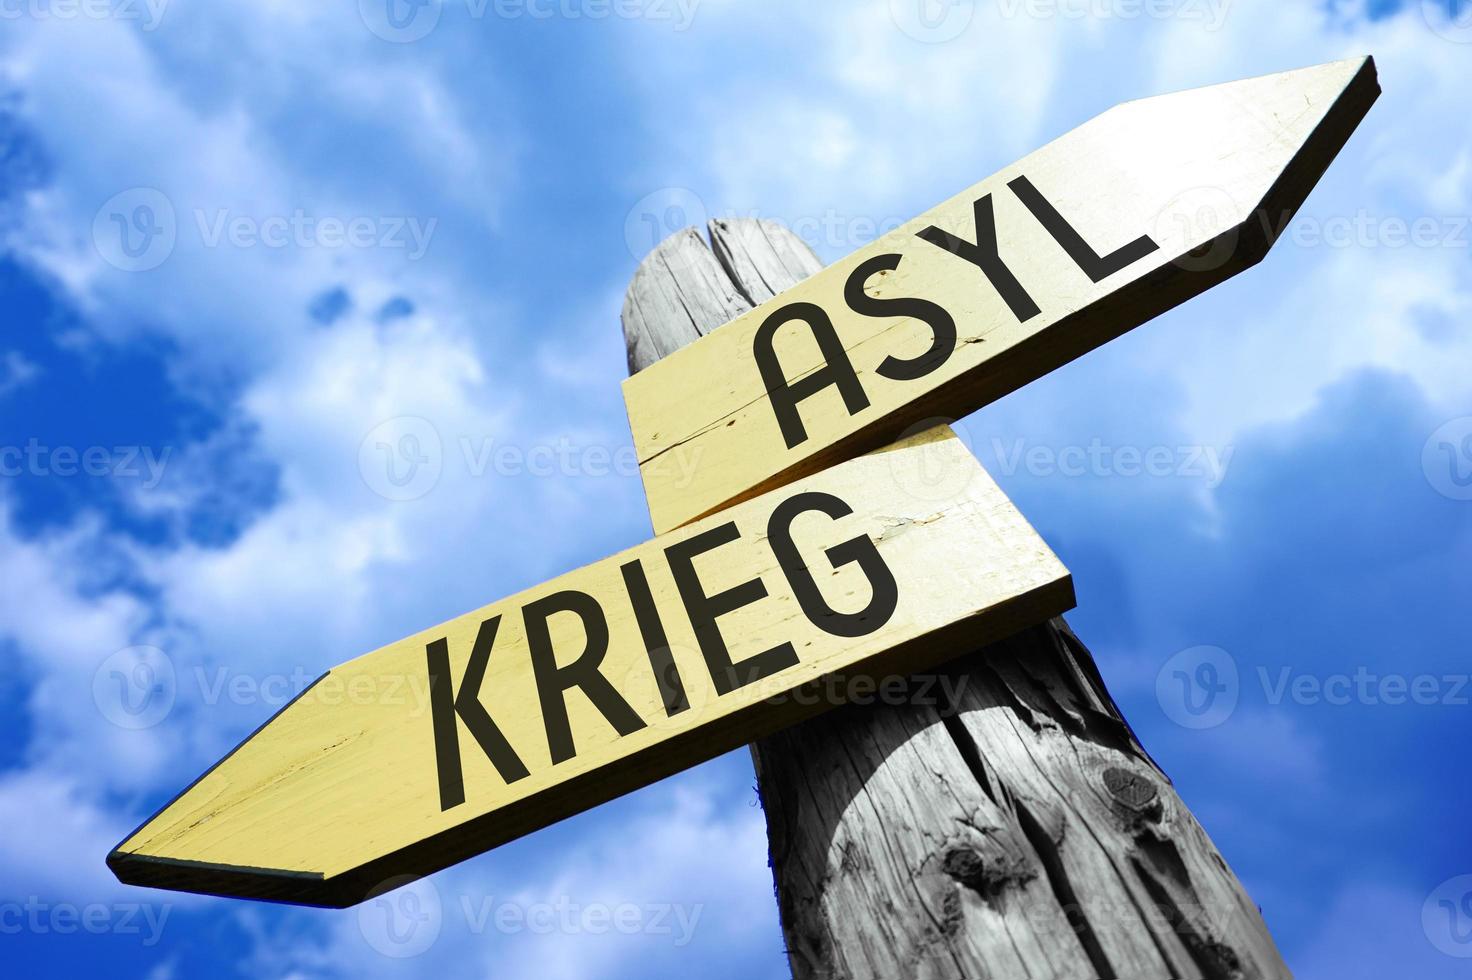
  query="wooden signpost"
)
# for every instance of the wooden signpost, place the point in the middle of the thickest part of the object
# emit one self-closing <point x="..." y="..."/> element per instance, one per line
<point x="813" y="533"/>
<point x="1012" y="828"/>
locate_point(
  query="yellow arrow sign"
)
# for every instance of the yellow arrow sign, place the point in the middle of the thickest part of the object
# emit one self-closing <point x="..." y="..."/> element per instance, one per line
<point x="506" y="719"/>
<point x="1110" y="225"/>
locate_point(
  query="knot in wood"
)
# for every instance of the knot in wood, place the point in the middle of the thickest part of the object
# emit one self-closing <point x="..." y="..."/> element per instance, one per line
<point x="965" y="866"/>
<point x="1130" y="789"/>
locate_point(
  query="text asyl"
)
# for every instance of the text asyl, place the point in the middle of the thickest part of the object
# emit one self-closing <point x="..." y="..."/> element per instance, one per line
<point x="837" y="371"/>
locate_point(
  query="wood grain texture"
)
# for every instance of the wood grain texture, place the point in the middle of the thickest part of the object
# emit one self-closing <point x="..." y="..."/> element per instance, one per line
<point x="1108" y="226"/>
<point x="1001" y="820"/>
<point x="344" y="790"/>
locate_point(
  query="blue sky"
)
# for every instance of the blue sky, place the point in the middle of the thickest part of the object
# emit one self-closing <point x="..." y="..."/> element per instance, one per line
<point x="191" y="503"/>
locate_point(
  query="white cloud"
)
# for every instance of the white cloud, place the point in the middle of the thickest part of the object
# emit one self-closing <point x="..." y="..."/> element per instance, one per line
<point x="214" y="161"/>
<point x="16" y="372"/>
<point x="57" y="836"/>
<point x="1373" y="930"/>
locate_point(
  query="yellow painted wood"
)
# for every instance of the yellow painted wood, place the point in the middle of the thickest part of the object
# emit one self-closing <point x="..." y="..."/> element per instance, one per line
<point x="1208" y="176"/>
<point x="339" y="794"/>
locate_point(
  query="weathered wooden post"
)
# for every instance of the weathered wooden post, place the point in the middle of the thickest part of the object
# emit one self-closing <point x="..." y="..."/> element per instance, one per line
<point x="1021" y="832"/>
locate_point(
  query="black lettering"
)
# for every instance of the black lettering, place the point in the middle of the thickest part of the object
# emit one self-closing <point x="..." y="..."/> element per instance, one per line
<point x="984" y="255"/>
<point x="860" y="550"/>
<point x="837" y="370"/>
<point x="942" y="325"/>
<point x="1096" y="267"/>
<point x="703" y="611"/>
<point x="445" y="705"/>
<point x="656" y="643"/>
<point x="553" y="682"/>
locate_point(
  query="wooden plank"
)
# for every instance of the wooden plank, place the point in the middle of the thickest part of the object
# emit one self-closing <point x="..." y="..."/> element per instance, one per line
<point x="1108" y="226"/>
<point x="998" y="819"/>
<point x="516" y="715"/>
